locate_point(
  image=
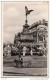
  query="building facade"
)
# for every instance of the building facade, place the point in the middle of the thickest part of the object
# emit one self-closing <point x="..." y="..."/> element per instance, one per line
<point x="36" y="34"/>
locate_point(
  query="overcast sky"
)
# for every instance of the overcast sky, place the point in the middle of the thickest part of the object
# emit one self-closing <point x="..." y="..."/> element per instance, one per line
<point x="14" y="16"/>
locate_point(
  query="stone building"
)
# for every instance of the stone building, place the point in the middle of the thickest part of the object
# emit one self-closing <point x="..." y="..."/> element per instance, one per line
<point x="36" y="34"/>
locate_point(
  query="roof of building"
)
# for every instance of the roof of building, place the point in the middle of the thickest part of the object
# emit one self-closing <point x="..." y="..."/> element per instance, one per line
<point x="43" y="22"/>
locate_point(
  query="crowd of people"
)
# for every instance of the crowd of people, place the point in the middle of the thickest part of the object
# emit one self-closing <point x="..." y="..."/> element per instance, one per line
<point x="16" y="50"/>
<point x="11" y="50"/>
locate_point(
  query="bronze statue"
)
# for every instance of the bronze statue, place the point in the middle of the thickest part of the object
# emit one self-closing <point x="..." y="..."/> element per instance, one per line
<point x="27" y="12"/>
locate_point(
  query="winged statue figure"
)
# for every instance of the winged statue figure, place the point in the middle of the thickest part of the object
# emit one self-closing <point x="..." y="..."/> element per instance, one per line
<point x="28" y="11"/>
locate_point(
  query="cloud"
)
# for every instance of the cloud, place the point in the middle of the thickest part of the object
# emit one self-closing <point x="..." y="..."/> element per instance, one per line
<point x="11" y="12"/>
<point x="9" y="32"/>
<point x="10" y="29"/>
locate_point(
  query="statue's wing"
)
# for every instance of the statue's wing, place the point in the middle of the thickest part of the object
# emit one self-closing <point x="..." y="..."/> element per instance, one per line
<point x="30" y="11"/>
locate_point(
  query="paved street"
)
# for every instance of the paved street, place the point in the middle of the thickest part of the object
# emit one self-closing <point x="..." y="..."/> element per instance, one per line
<point x="30" y="61"/>
<point x="12" y="71"/>
<point x="38" y="66"/>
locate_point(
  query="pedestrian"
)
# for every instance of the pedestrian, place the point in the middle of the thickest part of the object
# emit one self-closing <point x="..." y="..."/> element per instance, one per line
<point x="31" y="51"/>
<point x="8" y="50"/>
<point x="24" y="50"/>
